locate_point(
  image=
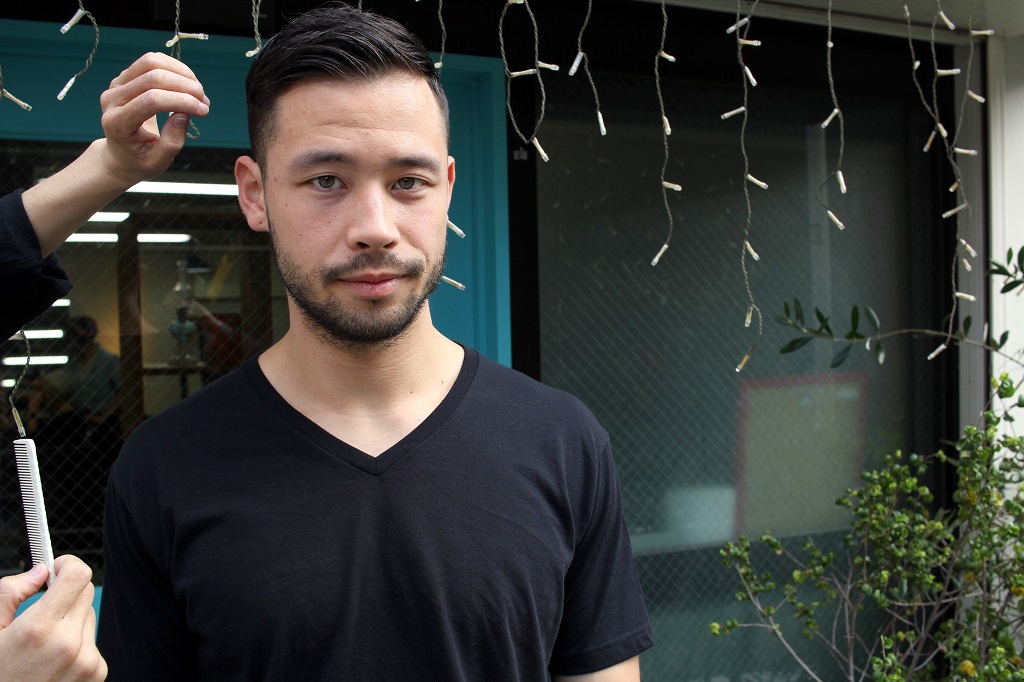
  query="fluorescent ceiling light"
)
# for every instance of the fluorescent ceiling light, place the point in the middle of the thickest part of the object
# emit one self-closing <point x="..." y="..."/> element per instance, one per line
<point x="109" y="217"/>
<point x="20" y="360"/>
<point x="93" y="237"/>
<point x="195" y="188"/>
<point x="144" y="238"/>
<point x="34" y="334"/>
<point x="163" y="238"/>
<point x="61" y="303"/>
<point x="43" y="334"/>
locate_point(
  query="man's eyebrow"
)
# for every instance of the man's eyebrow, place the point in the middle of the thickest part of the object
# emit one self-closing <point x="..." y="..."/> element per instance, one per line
<point x="322" y="157"/>
<point x="319" y="157"/>
<point x="428" y="163"/>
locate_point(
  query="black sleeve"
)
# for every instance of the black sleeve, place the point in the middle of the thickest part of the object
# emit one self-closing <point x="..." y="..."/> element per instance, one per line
<point x="29" y="283"/>
<point x="604" y="620"/>
<point x="142" y="632"/>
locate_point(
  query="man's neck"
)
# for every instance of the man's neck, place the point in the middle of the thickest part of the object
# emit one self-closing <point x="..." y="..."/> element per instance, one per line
<point x="371" y="396"/>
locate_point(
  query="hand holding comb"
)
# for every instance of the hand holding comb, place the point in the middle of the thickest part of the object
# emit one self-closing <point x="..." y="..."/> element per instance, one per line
<point x="32" y="501"/>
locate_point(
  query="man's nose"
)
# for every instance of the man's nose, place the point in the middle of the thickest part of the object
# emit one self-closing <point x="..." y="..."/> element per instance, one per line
<point x="372" y="224"/>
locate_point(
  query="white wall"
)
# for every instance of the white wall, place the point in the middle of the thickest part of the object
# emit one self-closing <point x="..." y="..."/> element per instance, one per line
<point x="1006" y="138"/>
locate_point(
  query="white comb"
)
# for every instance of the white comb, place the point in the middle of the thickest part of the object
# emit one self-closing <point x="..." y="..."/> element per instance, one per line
<point x="32" y="501"/>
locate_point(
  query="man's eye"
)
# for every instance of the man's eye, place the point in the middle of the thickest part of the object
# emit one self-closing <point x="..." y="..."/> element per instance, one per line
<point x="326" y="181"/>
<point x="408" y="183"/>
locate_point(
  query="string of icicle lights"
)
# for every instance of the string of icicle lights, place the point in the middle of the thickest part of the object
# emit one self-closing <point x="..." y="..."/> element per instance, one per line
<point x="666" y="130"/>
<point x="964" y="252"/>
<point x="740" y="30"/>
<point x="534" y="71"/>
<point x="79" y="15"/>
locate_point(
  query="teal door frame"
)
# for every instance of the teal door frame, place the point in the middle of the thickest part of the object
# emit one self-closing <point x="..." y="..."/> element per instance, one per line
<point x="37" y="60"/>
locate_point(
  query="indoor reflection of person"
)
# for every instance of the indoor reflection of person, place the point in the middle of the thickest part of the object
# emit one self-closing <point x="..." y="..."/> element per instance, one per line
<point x="88" y="385"/>
<point x="53" y="639"/>
<point x="367" y="499"/>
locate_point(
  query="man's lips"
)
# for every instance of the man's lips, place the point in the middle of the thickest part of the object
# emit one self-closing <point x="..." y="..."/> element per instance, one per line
<point x="371" y="278"/>
<point x="373" y="284"/>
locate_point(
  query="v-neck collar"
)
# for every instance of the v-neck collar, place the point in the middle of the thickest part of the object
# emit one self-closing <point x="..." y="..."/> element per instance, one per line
<point x="339" y="449"/>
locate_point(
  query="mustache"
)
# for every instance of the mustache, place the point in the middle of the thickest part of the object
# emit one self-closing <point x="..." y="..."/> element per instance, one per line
<point x="371" y="260"/>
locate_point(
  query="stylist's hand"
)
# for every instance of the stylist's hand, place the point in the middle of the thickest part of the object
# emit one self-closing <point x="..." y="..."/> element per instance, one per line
<point x="54" y="639"/>
<point x="136" y="148"/>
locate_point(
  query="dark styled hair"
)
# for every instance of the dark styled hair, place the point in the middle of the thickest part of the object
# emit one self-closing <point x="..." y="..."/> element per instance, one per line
<point x="335" y="42"/>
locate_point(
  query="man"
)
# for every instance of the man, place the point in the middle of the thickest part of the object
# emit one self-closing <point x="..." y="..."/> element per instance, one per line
<point x="367" y="500"/>
<point x="53" y="639"/>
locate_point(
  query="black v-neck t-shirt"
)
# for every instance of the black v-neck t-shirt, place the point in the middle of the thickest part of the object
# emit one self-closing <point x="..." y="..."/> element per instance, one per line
<point x="244" y="542"/>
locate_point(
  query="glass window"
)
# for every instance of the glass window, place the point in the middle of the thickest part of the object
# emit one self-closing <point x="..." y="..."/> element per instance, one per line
<point x="171" y="291"/>
<point x="706" y="453"/>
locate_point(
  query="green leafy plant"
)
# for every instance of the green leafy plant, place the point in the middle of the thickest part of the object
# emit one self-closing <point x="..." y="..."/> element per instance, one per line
<point x="1012" y="271"/>
<point x="942" y="589"/>
<point x="793" y="317"/>
<point x="921" y="590"/>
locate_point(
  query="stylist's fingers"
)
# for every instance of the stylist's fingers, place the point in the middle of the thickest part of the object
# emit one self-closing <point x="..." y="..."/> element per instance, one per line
<point x="70" y="583"/>
<point x="128" y="113"/>
<point x="15" y="589"/>
<point x="149" y="62"/>
<point x="159" y="80"/>
<point x="81" y="610"/>
<point x="91" y="662"/>
<point x="153" y="84"/>
<point x="134" y="122"/>
<point x="172" y="136"/>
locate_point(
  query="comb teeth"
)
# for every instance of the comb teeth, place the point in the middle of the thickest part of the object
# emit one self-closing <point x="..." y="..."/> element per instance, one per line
<point x="32" y="501"/>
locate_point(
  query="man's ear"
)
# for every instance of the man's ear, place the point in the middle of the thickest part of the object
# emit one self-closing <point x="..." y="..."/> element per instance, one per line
<point x="250" y="193"/>
<point x="451" y="178"/>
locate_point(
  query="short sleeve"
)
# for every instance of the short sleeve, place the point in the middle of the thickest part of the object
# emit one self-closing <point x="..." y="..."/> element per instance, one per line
<point x="141" y="632"/>
<point x="604" y="619"/>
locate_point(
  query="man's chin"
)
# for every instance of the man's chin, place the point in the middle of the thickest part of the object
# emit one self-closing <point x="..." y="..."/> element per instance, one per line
<point x="377" y="322"/>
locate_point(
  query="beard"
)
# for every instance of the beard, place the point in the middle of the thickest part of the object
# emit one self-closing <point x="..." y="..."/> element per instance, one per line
<point x="381" y="325"/>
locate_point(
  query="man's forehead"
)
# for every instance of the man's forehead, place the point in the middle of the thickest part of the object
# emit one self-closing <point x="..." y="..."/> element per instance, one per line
<point x="398" y="103"/>
<point x="402" y="87"/>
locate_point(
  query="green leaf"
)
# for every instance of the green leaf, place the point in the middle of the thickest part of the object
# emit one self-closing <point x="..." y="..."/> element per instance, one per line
<point x="1002" y="340"/>
<point x="840" y="357"/>
<point x="795" y="344"/>
<point x="798" y="312"/>
<point x="1020" y="259"/>
<point x="822" y="320"/>
<point x="785" y="308"/>
<point x="854" y="319"/>
<point x="999" y="269"/>
<point x="967" y="325"/>
<point x="1010" y="286"/>
<point x="873" y="318"/>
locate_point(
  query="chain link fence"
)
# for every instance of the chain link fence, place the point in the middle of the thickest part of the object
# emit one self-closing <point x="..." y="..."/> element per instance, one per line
<point x="705" y="453"/>
<point x="171" y="291"/>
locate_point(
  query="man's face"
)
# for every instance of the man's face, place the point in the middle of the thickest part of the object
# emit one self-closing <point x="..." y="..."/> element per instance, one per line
<point x="354" y="192"/>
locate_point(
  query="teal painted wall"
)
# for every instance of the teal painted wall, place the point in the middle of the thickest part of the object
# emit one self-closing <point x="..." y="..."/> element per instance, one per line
<point x="37" y="61"/>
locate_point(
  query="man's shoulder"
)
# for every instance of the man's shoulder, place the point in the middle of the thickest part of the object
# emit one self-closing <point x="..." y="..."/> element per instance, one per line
<point x="183" y="426"/>
<point x="515" y="385"/>
<point x="512" y="392"/>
